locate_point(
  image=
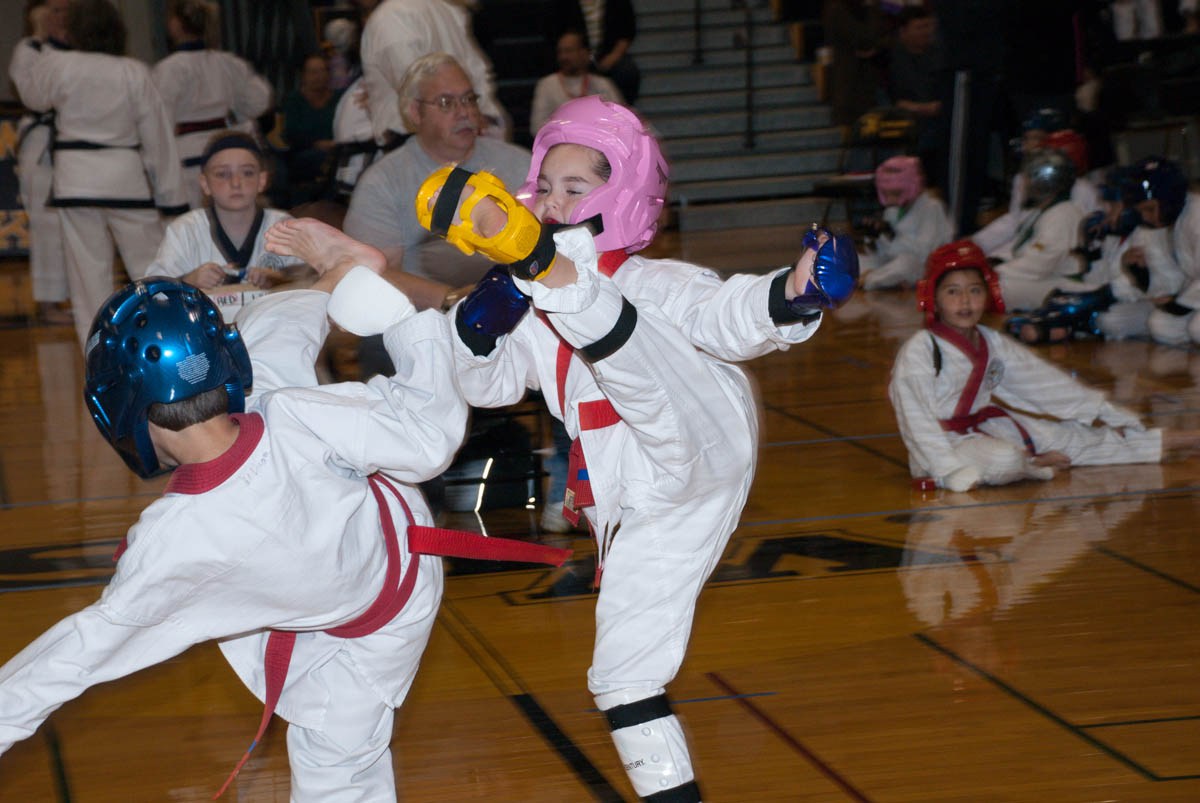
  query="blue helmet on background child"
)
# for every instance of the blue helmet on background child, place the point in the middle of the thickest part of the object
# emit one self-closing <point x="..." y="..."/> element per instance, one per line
<point x="157" y="341"/>
<point x="630" y="201"/>
<point x="1162" y="180"/>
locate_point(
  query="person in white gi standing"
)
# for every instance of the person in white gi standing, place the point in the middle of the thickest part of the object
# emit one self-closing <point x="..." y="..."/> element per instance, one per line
<point x="115" y="163"/>
<point x="46" y="25"/>
<point x="637" y="357"/>
<point x="204" y="89"/>
<point x="947" y="379"/>
<point x="397" y="33"/>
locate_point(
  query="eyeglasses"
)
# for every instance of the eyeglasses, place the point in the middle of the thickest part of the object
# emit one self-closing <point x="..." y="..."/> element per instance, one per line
<point x="447" y="103"/>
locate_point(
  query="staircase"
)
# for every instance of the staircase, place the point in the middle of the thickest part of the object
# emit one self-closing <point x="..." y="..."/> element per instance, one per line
<point x="722" y="176"/>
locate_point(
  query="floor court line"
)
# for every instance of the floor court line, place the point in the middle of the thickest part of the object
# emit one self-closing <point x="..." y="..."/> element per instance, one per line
<point x="1038" y="708"/>
<point x="791" y="741"/>
<point x="1147" y="569"/>
<point x="834" y="434"/>
<point x="508" y="682"/>
<point x="58" y="766"/>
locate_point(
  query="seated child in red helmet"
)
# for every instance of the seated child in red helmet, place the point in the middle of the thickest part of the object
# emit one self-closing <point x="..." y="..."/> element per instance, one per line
<point x="950" y="379"/>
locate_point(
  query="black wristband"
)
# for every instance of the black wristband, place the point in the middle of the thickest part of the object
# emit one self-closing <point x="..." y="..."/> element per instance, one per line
<point x="784" y="312"/>
<point x="540" y="258"/>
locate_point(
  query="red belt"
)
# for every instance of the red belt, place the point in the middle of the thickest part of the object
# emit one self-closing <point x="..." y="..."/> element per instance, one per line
<point x="199" y="125"/>
<point x="592" y="415"/>
<point x="396" y="589"/>
<point x="963" y="424"/>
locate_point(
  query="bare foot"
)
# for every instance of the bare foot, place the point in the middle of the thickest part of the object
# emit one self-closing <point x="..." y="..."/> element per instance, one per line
<point x="1055" y="460"/>
<point x="322" y="246"/>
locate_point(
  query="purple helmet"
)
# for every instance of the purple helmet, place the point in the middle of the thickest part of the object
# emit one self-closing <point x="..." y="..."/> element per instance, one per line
<point x="900" y="173"/>
<point x="630" y="202"/>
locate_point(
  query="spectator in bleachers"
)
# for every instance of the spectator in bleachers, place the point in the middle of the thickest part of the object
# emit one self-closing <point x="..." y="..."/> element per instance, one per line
<point x="341" y="47"/>
<point x="308" y="129"/>
<point x="914" y="70"/>
<point x="611" y="27"/>
<point x="854" y="31"/>
<point x="574" y="79"/>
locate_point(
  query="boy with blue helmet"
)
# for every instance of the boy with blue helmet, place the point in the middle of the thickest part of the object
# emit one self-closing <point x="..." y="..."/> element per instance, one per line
<point x="279" y="534"/>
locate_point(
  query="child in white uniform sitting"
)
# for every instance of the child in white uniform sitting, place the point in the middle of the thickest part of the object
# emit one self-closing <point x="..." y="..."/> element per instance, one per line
<point x="1043" y="252"/>
<point x="220" y="248"/>
<point x="947" y="379"/>
<point x="914" y="223"/>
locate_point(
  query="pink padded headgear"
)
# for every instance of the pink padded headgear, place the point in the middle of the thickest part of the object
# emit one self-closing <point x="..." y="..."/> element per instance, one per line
<point x="630" y="202"/>
<point x="902" y="173"/>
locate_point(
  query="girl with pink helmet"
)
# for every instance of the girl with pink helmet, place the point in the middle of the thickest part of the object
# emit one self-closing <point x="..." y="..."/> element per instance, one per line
<point x="913" y="223"/>
<point x="637" y="357"/>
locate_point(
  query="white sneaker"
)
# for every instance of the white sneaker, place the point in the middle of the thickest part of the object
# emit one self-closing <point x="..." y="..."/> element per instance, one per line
<point x="553" y="521"/>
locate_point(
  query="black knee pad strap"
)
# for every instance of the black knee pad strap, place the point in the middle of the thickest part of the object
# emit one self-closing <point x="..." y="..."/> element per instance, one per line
<point x="630" y="714"/>
<point x="684" y="793"/>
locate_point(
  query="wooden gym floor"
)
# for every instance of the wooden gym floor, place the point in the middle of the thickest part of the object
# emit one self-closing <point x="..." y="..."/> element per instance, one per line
<point x="859" y="642"/>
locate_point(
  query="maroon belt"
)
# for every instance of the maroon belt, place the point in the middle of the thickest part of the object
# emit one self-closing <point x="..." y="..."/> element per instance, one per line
<point x="397" y="588"/>
<point x="195" y="126"/>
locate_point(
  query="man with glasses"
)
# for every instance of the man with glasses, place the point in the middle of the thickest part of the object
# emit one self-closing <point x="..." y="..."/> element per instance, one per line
<point x="440" y="106"/>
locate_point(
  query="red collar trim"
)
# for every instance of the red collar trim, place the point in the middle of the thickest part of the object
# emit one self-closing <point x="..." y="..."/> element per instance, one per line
<point x="611" y="260"/>
<point x="979" y="360"/>
<point x="197" y="478"/>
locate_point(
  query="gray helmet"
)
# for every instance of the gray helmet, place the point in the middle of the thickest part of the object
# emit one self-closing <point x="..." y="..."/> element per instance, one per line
<point x="1049" y="175"/>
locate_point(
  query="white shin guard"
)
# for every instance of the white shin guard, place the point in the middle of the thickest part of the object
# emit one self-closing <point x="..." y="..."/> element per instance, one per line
<point x="651" y="744"/>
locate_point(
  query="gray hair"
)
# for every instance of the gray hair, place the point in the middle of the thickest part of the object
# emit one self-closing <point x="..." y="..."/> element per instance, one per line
<point x="421" y="69"/>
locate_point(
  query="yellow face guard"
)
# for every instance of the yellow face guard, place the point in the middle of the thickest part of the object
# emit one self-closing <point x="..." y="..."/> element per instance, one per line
<point x="513" y="243"/>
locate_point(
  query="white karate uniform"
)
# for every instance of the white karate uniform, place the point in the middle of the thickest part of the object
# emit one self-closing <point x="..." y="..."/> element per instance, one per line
<point x="190" y="242"/>
<point x="123" y="165"/>
<point x="899" y="260"/>
<point x="1166" y="327"/>
<point x="1041" y="256"/>
<point x="280" y="532"/>
<point x="923" y="396"/>
<point x="997" y="234"/>
<point x="1130" y="315"/>
<point x="35" y="172"/>
<point x="211" y="90"/>
<point x="674" y="472"/>
<point x="399" y="32"/>
<point x="352" y="130"/>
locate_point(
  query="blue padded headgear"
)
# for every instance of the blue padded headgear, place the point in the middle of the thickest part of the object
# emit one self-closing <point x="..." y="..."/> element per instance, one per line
<point x="1162" y="180"/>
<point x="157" y="341"/>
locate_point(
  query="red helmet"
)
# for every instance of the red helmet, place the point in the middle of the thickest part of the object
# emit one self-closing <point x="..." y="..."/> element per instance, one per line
<point x="958" y="255"/>
<point x="1073" y="145"/>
